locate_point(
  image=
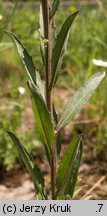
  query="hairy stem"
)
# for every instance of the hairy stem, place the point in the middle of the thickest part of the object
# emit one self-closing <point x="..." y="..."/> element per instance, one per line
<point x="47" y="44"/>
<point x="48" y="52"/>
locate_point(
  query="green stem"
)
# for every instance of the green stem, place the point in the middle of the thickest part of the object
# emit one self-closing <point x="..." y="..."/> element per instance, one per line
<point x="47" y="42"/>
<point x="48" y="54"/>
<point x="53" y="172"/>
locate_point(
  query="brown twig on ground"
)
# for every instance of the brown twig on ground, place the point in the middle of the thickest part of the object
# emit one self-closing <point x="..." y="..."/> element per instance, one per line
<point x="87" y="121"/>
<point x="96" y="185"/>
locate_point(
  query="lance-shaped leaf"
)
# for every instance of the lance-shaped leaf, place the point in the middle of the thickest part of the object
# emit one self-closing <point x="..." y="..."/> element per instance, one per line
<point x="60" y="46"/>
<point x="40" y="87"/>
<point x="31" y="167"/>
<point x="66" y="165"/>
<point x="26" y="58"/>
<point x="55" y="5"/>
<point x="74" y="172"/>
<point x="29" y="65"/>
<point x="42" y="118"/>
<point x="80" y="98"/>
<point x="58" y="138"/>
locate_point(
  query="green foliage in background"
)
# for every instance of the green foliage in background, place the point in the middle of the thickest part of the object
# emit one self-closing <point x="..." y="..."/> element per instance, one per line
<point x="11" y="111"/>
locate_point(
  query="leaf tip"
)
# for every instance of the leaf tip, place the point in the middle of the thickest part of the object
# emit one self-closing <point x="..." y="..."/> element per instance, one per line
<point x="104" y="73"/>
<point x="8" y="132"/>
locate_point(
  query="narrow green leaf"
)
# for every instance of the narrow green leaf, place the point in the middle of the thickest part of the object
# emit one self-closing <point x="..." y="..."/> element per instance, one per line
<point x="43" y="120"/>
<point x="65" y="167"/>
<point x="74" y="172"/>
<point x="31" y="166"/>
<point x="55" y="5"/>
<point x="26" y="58"/>
<point x="78" y="189"/>
<point x="60" y="46"/>
<point x="64" y="197"/>
<point x="40" y="87"/>
<point x="28" y="63"/>
<point x="80" y="98"/>
<point x="58" y="138"/>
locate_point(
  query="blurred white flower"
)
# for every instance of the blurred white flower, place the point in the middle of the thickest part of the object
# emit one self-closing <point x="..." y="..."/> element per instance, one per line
<point x="21" y="90"/>
<point x="99" y="63"/>
<point x="1" y="17"/>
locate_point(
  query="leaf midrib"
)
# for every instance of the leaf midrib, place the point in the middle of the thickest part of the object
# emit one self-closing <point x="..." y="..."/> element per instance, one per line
<point x="43" y="128"/>
<point x="59" y="126"/>
<point x="67" y="172"/>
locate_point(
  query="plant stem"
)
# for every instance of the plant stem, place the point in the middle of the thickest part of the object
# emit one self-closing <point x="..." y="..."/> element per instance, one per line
<point x="47" y="42"/>
<point x="53" y="172"/>
<point x="48" y="52"/>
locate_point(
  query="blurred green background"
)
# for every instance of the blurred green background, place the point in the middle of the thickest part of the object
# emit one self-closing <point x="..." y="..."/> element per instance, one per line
<point x="88" y="41"/>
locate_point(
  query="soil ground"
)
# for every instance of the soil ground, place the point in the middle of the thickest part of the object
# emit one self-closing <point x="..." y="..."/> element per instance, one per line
<point x="16" y="184"/>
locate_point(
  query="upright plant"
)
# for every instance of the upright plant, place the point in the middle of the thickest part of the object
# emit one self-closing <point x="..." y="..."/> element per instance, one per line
<point x="63" y="172"/>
